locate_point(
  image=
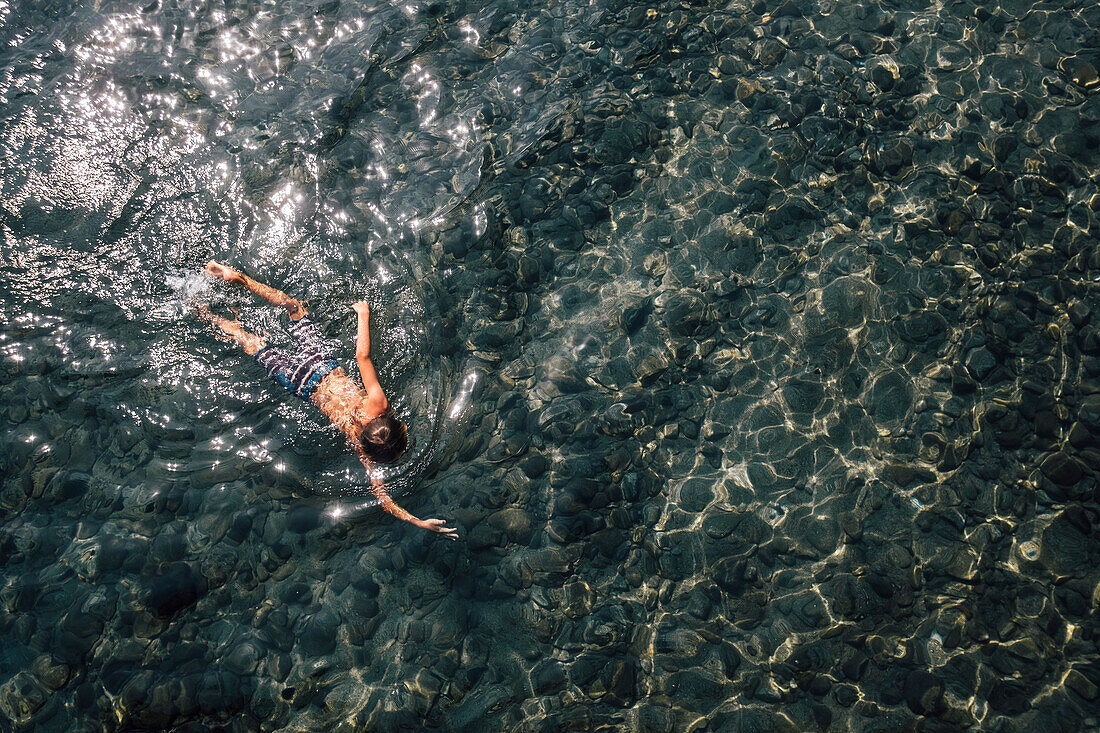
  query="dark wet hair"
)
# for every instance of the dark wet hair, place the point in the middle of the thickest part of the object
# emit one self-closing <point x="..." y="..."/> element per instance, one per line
<point x="384" y="438"/>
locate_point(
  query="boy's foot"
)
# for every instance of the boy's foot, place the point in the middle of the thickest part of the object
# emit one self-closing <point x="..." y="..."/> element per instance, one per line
<point x="225" y="272"/>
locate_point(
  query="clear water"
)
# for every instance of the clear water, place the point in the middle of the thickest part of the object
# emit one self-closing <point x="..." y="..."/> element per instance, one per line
<point x="751" y="348"/>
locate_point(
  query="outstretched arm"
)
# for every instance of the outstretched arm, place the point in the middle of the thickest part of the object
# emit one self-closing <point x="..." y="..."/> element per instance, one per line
<point x="362" y="358"/>
<point x="379" y="491"/>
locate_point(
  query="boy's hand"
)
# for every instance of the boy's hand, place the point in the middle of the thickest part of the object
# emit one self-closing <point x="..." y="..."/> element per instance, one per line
<point x="436" y="525"/>
<point x="361" y="308"/>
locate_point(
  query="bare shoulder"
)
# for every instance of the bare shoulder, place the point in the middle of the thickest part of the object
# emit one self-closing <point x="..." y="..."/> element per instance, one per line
<point x="373" y="403"/>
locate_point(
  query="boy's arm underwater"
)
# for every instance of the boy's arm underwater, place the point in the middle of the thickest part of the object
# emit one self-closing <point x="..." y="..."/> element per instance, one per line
<point x="379" y="490"/>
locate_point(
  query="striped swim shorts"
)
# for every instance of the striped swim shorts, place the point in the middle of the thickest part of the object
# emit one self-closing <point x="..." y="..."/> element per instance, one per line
<point x="302" y="368"/>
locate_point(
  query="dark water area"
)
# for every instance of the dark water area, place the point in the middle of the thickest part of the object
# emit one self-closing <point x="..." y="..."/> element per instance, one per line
<point x="753" y="350"/>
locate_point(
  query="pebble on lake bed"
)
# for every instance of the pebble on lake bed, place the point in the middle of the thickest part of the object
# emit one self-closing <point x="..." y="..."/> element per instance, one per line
<point x="1080" y="72"/>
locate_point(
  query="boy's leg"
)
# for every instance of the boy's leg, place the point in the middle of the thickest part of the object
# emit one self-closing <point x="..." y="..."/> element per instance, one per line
<point x="294" y="308"/>
<point x="250" y="342"/>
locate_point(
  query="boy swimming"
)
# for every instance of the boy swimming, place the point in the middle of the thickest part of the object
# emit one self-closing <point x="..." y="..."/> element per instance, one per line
<point x="308" y="370"/>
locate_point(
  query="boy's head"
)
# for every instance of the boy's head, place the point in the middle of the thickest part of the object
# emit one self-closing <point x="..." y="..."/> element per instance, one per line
<point x="384" y="438"/>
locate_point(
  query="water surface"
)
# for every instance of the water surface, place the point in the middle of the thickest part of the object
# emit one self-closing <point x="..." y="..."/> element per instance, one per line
<point x="751" y="348"/>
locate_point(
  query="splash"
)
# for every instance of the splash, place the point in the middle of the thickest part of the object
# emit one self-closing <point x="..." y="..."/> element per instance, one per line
<point x="189" y="289"/>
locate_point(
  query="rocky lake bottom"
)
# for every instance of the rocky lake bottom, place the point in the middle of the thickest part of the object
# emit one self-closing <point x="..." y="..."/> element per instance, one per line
<point x="753" y="349"/>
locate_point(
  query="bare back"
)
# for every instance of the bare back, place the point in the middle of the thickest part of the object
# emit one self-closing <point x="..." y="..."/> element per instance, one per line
<point x="339" y="396"/>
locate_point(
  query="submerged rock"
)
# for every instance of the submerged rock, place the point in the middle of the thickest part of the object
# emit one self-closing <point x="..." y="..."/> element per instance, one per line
<point x="51" y="672"/>
<point x="924" y="693"/>
<point x="1061" y="469"/>
<point x="173" y="589"/>
<point x="1080" y="71"/>
<point x="547" y="677"/>
<point x="318" y="636"/>
<point x="696" y="494"/>
<point x="513" y="522"/>
<point x="21" y="697"/>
